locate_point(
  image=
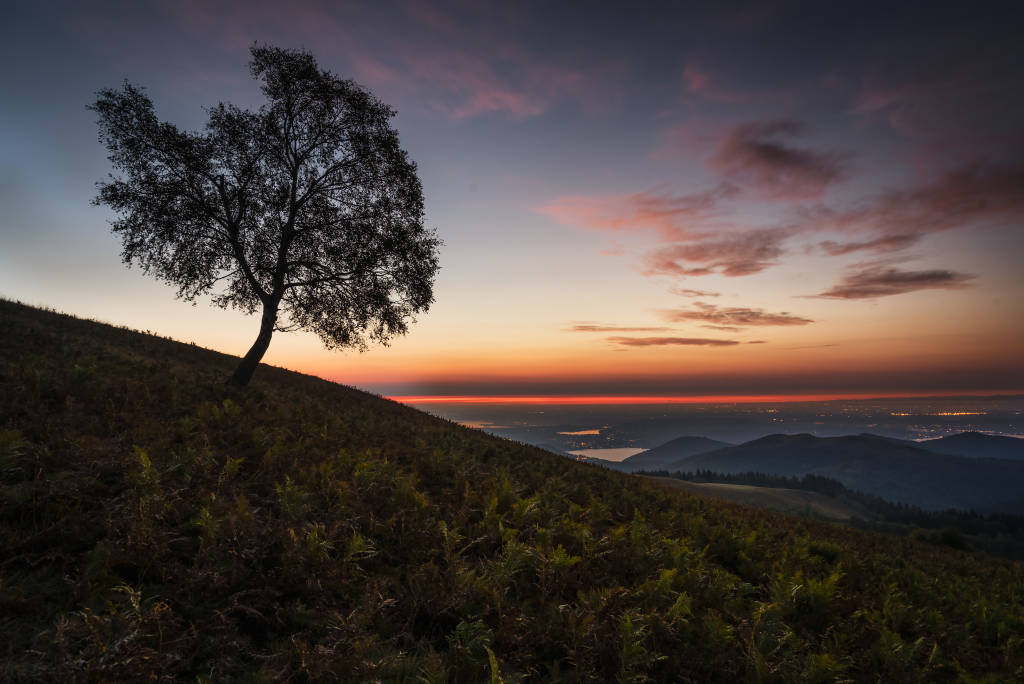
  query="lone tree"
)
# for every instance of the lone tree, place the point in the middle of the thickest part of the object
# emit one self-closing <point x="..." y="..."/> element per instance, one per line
<point x="306" y="209"/>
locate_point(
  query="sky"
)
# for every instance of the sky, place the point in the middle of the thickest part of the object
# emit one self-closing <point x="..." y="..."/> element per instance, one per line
<point x="636" y="199"/>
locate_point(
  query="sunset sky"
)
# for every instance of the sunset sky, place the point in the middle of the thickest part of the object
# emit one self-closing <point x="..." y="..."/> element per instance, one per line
<point x="636" y="199"/>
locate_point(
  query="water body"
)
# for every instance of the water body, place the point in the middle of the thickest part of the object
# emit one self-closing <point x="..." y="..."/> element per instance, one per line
<point x="619" y="454"/>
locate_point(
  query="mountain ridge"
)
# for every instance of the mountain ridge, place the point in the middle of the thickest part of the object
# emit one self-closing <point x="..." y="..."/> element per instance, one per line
<point x="896" y="470"/>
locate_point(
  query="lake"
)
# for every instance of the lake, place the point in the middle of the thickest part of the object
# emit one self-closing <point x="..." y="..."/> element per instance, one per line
<point x="620" y="454"/>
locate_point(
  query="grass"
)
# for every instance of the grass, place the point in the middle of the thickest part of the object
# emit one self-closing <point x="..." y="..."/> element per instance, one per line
<point x="775" y="498"/>
<point x="158" y="524"/>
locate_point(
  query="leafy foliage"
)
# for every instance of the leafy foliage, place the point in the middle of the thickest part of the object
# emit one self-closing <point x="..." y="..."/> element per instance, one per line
<point x="157" y="524"/>
<point x="307" y="208"/>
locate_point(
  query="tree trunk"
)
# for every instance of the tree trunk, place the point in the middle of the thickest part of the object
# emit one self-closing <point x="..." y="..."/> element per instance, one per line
<point x="243" y="374"/>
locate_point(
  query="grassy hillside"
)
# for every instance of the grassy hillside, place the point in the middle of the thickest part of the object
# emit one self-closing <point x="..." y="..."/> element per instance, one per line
<point x="155" y="523"/>
<point x="776" y="498"/>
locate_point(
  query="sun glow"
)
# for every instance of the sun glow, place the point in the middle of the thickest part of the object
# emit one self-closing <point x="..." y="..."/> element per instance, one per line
<point x="697" y="399"/>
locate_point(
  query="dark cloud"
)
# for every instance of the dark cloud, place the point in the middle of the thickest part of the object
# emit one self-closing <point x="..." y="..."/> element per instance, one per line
<point x="724" y="328"/>
<point x="873" y="281"/>
<point x="956" y="104"/>
<point x="757" y="342"/>
<point x="589" y="328"/>
<point x="968" y="195"/>
<point x="735" y="254"/>
<point x="759" y="155"/>
<point x="668" y="341"/>
<point x="734" y="316"/>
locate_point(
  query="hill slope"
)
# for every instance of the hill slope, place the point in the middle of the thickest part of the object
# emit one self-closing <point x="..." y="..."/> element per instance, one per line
<point x="668" y="453"/>
<point x="155" y="523"/>
<point x="977" y="445"/>
<point x="776" y="498"/>
<point x="890" y="469"/>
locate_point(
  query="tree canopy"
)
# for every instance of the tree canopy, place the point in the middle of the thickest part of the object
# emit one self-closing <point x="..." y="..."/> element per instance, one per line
<point x="306" y="209"/>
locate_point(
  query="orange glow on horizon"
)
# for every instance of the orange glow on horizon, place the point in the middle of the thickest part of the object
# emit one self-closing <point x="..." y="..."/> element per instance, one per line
<point x="698" y="399"/>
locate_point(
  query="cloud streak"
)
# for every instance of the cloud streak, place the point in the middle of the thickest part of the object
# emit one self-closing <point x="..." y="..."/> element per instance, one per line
<point x="724" y="328"/>
<point x="888" y="243"/>
<point x="733" y="316"/>
<point x="670" y="341"/>
<point x="875" y="281"/>
<point x="688" y="292"/>
<point x="588" y="328"/>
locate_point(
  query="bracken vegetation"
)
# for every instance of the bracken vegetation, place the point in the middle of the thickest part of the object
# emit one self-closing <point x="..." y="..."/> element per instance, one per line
<point x="157" y="524"/>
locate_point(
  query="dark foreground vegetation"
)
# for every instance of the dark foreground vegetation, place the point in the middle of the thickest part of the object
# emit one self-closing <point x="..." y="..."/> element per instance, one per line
<point x="155" y="523"/>
<point x="1001" y="534"/>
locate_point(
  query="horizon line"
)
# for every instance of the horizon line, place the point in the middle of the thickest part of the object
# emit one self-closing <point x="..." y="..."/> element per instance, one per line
<point x="689" y="399"/>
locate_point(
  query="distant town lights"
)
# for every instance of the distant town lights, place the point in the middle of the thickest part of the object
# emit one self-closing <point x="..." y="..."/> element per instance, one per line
<point x="943" y="413"/>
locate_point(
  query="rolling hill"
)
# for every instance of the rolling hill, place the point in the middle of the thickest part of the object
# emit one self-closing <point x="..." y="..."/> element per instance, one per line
<point x="891" y="469"/>
<point x="158" y="524"/>
<point x="666" y="454"/>
<point x="977" y="445"/>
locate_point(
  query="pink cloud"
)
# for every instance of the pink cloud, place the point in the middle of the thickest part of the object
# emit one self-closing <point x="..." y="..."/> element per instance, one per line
<point x="464" y="73"/>
<point x="462" y="85"/>
<point x="696" y="80"/>
<point x="672" y="217"/>
<point x="699" y="82"/>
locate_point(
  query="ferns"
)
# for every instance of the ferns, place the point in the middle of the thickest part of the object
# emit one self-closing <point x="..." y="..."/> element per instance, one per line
<point x="161" y="524"/>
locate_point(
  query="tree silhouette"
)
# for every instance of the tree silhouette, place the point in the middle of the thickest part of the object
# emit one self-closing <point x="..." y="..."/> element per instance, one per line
<point x="306" y="209"/>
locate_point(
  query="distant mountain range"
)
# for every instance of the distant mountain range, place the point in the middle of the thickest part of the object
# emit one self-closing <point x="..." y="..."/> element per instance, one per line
<point x="976" y="445"/>
<point x="970" y="471"/>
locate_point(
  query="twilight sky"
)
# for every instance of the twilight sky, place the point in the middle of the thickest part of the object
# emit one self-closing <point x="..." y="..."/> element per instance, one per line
<point x="660" y="198"/>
